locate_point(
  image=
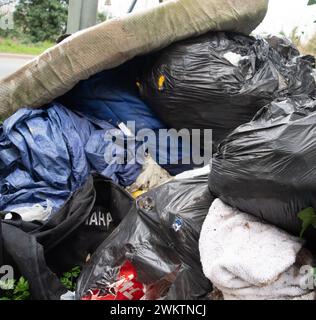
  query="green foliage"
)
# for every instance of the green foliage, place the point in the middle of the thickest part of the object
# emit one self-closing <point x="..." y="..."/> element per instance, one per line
<point x="9" y="45"/>
<point x="20" y="291"/>
<point x="308" y="217"/>
<point x="69" y="279"/>
<point x="101" y="17"/>
<point x="41" y="20"/>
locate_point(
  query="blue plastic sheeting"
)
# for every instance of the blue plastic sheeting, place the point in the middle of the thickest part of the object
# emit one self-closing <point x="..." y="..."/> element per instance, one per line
<point x="112" y="96"/>
<point x="46" y="154"/>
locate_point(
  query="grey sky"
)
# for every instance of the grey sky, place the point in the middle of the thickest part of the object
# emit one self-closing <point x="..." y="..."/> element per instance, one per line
<point x="283" y="15"/>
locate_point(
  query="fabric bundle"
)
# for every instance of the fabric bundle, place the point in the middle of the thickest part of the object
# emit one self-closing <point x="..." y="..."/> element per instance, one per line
<point x="247" y="259"/>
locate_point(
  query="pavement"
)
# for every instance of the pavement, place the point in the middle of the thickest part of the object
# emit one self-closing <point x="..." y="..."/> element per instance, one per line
<point x="9" y="63"/>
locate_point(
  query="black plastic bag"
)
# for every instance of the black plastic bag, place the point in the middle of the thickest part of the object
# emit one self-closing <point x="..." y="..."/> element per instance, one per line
<point x="286" y="49"/>
<point x="43" y="251"/>
<point x="111" y="205"/>
<point x="267" y="167"/>
<point x="159" y="239"/>
<point x="220" y="80"/>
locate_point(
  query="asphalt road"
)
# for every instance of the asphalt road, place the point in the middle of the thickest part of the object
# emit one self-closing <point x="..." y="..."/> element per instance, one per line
<point x="10" y="63"/>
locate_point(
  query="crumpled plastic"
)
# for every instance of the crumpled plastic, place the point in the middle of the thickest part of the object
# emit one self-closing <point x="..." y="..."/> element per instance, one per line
<point x="46" y="154"/>
<point x="266" y="167"/>
<point x="119" y="284"/>
<point x="220" y="80"/>
<point x="35" y="213"/>
<point x="112" y="96"/>
<point x="160" y="237"/>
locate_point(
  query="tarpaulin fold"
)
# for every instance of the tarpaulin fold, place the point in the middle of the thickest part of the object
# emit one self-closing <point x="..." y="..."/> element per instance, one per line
<point x="47" y="154"/>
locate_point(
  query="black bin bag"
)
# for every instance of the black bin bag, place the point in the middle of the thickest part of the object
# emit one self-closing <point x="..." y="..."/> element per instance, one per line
<point x="153" y="254"/>
<point x="43" y="251"/>
<point x="220" y="80"/>
<point x="267" y="167"/>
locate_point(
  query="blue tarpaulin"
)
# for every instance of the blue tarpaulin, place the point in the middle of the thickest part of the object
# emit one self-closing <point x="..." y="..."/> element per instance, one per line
<point x="46" y="154"/>
<point x="112" y="95"/>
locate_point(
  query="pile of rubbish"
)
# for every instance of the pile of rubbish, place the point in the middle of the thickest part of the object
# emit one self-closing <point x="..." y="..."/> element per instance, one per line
<point x="222" y="80"/>
<point x="153" y="224"/>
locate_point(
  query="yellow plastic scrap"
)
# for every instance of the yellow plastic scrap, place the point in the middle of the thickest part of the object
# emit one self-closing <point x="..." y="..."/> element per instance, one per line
<point x="138" y="193"/>
<point x="161" y="82"/>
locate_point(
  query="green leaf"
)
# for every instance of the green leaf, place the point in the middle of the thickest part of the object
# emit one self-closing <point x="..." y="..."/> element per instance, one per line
<point x="69" y="279"/>
<point x="76" y="272"/>
<point x="311" y="2"/>
<point x="22" y="290"/>
<point x="21" y="286"/>
<point x="25" y="295"/>
<point x="308" y="216"/>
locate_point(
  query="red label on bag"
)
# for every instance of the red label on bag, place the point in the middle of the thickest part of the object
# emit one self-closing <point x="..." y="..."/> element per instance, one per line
<point x="125" y="288"/>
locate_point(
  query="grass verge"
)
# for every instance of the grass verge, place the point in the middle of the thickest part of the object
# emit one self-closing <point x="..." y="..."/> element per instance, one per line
<point x="14" y="46"/>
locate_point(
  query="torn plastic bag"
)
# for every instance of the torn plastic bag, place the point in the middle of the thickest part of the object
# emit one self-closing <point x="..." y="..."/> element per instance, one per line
<point x="266" y="167"/>
<point x="46" y="154"/>
<point x="159" y="238"/>
<point x="286" y="48"/>
<point x="151" y="177"/>
<point x="67" y="239"/>
<point x="36" y="212"/>
<point x="112" y="95"/>
<point x="283" y="46"/>
<point x="121" y="284"/>
<point x="220" y="80"/>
